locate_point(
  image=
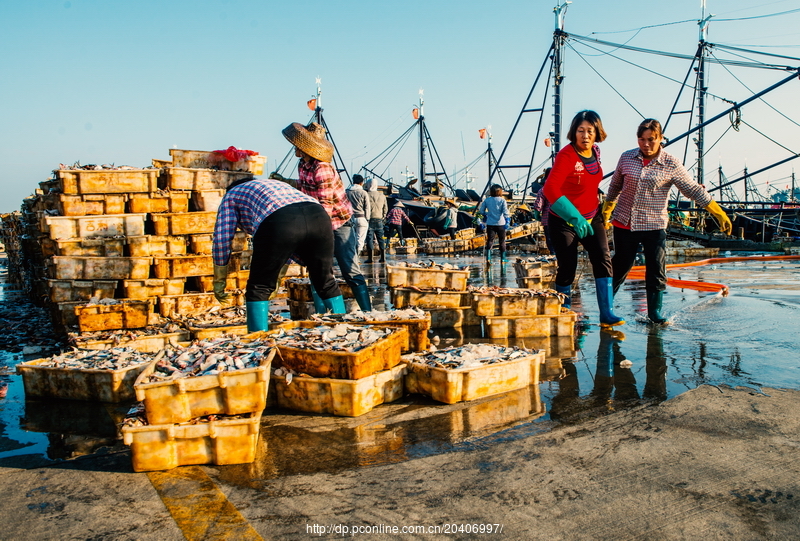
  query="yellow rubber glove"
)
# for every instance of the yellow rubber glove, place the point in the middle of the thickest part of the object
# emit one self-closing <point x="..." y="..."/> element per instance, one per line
<point x="220" y="281"/>
<point x="725" y="224"/>
<point x="608" y="208"/>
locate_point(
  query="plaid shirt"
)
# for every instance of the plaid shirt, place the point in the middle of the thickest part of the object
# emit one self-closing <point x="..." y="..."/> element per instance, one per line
<point x="321" y="181"/>
<point x="643" y="190"/>
<point x="246" y="206"/>
<point x="397" y="216"/>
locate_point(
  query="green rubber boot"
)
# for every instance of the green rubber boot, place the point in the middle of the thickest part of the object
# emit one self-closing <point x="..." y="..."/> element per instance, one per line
<point x="655" y="300"/>
<point x="319" y="306"/>
<point x="257" y="316"/>
<point x="335" y="305"/>
<point x="361" y="293"/>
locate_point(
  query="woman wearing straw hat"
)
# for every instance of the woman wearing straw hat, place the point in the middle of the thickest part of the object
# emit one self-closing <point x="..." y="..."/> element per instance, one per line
<point x="319" y="179"/>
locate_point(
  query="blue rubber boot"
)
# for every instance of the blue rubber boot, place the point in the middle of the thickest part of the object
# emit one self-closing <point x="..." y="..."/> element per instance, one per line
<point x="503" y="257"/>
<point x="605" y="297"/>
<point x="488" y="255"/>
<point x="566" y="290"/>
<point x="655" y="300"/>
<point x="335" y="305"/>
<point x="361" y="293"/>
<point x="257" y="316"/>
<point x="319" y="306"/>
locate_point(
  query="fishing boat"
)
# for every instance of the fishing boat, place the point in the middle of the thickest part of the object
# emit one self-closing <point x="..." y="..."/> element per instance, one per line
<point x="756" y="217"/>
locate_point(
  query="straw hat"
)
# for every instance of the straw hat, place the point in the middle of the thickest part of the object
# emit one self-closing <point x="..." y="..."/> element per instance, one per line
<point x="451" y="202"/>
<point x="310" y="139"/>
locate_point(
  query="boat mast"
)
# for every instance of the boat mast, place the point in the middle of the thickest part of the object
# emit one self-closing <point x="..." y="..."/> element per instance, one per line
<point x="421" y="123"/>
<point x="701" y="88"/>
<point x="559" y="36"/>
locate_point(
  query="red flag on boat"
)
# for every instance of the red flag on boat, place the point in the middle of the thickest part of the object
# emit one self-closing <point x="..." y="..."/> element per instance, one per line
<point x="415" y="113"/>
<point x="312" y="104"/>
<point x="482" y="133"/>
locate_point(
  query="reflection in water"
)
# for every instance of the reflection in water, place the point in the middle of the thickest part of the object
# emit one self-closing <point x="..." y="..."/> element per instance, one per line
<point x="736" y="340"/>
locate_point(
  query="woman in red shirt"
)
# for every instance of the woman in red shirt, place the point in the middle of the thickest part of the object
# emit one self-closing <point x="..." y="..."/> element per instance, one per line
<point x="571" y="189"/>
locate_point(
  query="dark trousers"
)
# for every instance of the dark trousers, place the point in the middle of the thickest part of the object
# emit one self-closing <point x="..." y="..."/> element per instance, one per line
<point x="399" y="229"/>
<point x="375" y="232"/>
<point x="500" y="232"/>
<point x="302" y="229"/>
<point x="565" y="244"/>
<point x="626" y="246"/>
<point x="452" y="232"/>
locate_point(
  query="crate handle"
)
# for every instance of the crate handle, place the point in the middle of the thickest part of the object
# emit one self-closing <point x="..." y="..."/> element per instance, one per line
<point x="171" y="432"/>
<point x="181" y="384"/>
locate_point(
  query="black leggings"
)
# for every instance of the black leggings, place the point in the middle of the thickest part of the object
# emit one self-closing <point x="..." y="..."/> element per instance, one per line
<point x="500" y="232"/>
<point x="301" y="229"/>
<point x="565" y="243"/>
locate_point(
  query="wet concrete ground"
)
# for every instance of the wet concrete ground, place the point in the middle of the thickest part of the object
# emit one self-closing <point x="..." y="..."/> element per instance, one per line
<point x="739" y="340"/>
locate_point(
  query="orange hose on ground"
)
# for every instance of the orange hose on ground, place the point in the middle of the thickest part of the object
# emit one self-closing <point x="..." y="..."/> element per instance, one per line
<point x="637" y="273"/>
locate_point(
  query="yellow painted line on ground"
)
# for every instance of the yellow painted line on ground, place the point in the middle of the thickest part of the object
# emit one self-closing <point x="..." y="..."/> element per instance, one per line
<point x="200" y="509"/>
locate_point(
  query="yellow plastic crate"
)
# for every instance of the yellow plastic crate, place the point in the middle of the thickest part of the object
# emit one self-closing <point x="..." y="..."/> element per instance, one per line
<point x="208" y="159"/>
<point x="184" y="178"/>
<point x="98" y="268"/>
<point x="104" y="247"/>
<point x="514" y="304"/>
<point x="236" y="280"/>
<point x="152" y="287"/>
<point x="380" y="355"/>
<point x="528" y="282"/>
<point x="406" y="297"/>
<point x="230" y="392"/>
<point x="127" y="314"/>
<point x="105" y="181"/>
<point x="81" y="290"/>
<point x="531" y="326"/>
<point x="417" y="329"/>
<point x="203" y="243"/>
<point x="190" y="304"/>
<point x="87" y="205"/>
<point x="340" y="397"/>
<point x="159" y="202"/>
<point x="427" y="278"/>
<point x="152" y="343"/>
<point x="182" y="266"/>
<point x="77" y="384"/>
<point x="299" y="289"/>
<point x="208" y="333"/>
<point x="463" y="385"/>
<point x="218" y="442"/>
<point x="207" y="200"/>
<point x="111" y="225"/>
<point x="453" y="317"/>
<point x="185" y="223"/>
<point x="156" y="245"/>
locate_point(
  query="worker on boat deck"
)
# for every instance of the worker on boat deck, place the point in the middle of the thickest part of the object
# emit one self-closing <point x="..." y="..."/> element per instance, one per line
<point x="319" y="179"/>
<point x="498" y="220"/>
<point x="575" y="217"/>
<point x="636" y="205"/>
<point x="361" y="203"/>
<point x="378" y="209"/>
<point x="283" y="222"/>
<point x="395" y="219"/>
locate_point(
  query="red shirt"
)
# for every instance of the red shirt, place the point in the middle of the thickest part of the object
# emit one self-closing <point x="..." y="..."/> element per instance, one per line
<point x="570" y="178"/>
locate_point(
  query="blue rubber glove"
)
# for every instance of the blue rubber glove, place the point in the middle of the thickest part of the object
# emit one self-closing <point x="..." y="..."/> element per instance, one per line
<point x="537" y="215"/>
<point x="506" y="226"/>
<point x="565" y="210"/>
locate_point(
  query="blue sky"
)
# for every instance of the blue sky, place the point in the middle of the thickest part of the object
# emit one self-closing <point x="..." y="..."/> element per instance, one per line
<point x="123" y="82"/>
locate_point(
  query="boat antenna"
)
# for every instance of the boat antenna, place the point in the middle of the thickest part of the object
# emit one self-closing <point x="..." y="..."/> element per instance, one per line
<point x="559" y="37"/>
<point x="315" y="104"/>
<point x="702" y="51"/>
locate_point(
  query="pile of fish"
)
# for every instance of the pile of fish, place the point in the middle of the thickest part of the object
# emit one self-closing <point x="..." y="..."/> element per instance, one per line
<point x="467" y="356"/>
<point x="521" y="292"/>
<point x="207" y="358"/>
<point x="94" y="167"/>
<point x="430" y="264"/>
<point x="220" y="316"/>
<point x="122" y="335"/>
<point x="538" y="259"/>
<point x="340" y="337"/>
<point x="374" y="315"/>
<point x="98" y="359"/>
<point x="136" y="416"/>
